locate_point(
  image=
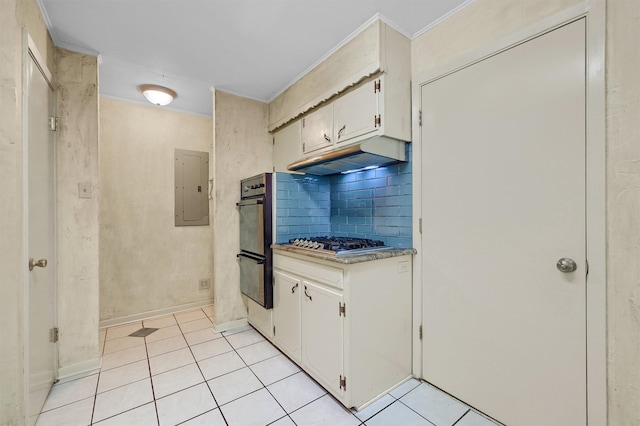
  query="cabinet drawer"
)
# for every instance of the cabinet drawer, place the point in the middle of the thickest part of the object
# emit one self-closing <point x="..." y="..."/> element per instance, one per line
<point x="319" y="273"/>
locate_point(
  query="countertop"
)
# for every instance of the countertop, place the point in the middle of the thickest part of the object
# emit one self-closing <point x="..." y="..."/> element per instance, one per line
<point x="348" y="258"/>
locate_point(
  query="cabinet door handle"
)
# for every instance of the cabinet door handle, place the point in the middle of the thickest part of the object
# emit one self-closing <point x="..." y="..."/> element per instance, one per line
<point x="307" y="294"/>
<point x="327" y="138"/>
<point x="293" y="289"/>
<point x="341" y="131"/>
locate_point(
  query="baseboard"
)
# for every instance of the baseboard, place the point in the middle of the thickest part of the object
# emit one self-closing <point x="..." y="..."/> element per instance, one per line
<point x="219" y="328"/>
<point x="79" y="370"/>
<point x="155" y="313"/>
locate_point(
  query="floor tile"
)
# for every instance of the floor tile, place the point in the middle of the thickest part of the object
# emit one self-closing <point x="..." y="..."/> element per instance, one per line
<point x="405" y="388"/>
<point x="295" y="391"/>
<point x="258" y="352"/>
<point x="221" y="364"/>
<point x="122" y="399"/>
<point x="398" y="414"/>
<point x="274" y="369"/>
<point x="122" y="343"/>
<point x="474" y="419"/>
<point x="75" y="390"/>
<point x="170" y="360"/>
<point x="196" y="314"/>
<point x="201" y="336"/>
<point x="437" y="407"/>
<point x="145" y="415"/>
<point x="188" y="327"/>
<point x="123" y="330"/>
<point x="208" y="310"/>
<point x="210" y="418"/>
<point x="245" y="338"/>
<point x="185" y="405"/>
<point x="375" y="407"/>
<point x="124" y="375"/>
<point x="123" y="357"/>
<point x="160" y="322"/>
<point x="324" y="411"/>
<point x="234" y="385"/>
<point x="76" y="413"/>
<point x="166" y="345"/>
<point x="176" y="380"/>
<point x="256" y="409"/>
<point x="163" y="333"/>
<point x="211" y="348"/>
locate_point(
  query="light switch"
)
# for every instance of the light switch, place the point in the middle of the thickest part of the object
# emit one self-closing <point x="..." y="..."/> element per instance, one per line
<point x="84" y="190"/>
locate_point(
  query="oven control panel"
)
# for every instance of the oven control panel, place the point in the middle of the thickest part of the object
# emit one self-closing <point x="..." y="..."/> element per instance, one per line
<point x="254" y="186"/>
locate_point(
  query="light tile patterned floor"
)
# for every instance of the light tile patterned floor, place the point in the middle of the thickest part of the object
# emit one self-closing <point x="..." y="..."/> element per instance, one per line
<point x="184" y="373"/>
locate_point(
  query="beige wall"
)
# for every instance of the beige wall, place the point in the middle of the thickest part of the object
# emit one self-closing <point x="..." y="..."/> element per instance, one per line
<point x="242" y="148"/>
<point x="623" y="210"/>
<point x="486" y="21"/>
<point x="77" y="161"/>
<point x="146" y="262"/>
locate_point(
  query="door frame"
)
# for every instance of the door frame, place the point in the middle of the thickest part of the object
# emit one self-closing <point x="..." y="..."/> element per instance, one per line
<point x="31" y="52"/>
<point x="596" y="349"/>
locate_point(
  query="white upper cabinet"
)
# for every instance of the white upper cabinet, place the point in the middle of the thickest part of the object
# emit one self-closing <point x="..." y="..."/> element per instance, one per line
<point x="317" y="129"/>
<point x="356" y="113"/>
<point x="286" y="146"/>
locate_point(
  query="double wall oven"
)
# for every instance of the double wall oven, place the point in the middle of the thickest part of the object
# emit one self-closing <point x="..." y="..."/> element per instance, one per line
<point x="256" y="235"/>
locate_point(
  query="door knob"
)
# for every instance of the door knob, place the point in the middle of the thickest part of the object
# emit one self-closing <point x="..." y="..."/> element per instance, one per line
<point x="566" y="265"/>
<point x="41" y="263"/>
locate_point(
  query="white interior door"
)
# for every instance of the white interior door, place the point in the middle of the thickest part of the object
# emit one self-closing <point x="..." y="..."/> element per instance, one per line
<point x="503" y="199"/>
<point x="41" y="289"/>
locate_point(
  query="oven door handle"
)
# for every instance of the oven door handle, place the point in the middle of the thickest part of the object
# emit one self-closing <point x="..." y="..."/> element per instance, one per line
<point x="253" y="202"/>
<point x="256" y="259"/>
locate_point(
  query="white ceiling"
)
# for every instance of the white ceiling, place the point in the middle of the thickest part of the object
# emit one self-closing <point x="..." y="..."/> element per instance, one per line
<point x="253" y="48"/>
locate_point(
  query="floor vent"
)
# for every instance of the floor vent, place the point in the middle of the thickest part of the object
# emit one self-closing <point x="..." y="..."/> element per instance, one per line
<point x="143" y="332"/>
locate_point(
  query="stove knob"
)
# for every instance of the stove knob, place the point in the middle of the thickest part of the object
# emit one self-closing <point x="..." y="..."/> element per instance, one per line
<point x="297" y="242"/>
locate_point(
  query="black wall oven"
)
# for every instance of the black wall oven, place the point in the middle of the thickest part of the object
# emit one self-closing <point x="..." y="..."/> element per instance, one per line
<point x="255" y="256"/>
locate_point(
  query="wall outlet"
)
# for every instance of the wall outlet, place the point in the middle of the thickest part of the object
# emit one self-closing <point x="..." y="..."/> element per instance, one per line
<point x="204" y="284"/>
<point x="403" y="267"/>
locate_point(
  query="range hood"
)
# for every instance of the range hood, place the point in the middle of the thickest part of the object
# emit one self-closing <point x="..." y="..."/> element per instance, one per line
<point x="376" y="151"/>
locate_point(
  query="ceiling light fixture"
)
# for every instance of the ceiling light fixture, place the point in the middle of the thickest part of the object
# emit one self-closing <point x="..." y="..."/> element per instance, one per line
<point x="158" y="95"/>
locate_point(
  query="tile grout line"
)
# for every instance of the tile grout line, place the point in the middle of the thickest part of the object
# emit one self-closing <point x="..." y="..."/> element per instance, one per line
<point x="457" y="421"/>
<point x="153" y="392"/>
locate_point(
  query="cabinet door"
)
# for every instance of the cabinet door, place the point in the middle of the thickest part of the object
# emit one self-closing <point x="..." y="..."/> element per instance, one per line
<point x="317" y="129"/>
<point x="355" y="113"/>
<point x="286" y="313"/>
<point x="287" y="147"/>
<point x="322" y="334"/>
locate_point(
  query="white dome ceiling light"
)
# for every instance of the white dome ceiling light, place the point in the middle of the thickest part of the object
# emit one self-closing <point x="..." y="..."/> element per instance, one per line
<point x="158" y="95"/>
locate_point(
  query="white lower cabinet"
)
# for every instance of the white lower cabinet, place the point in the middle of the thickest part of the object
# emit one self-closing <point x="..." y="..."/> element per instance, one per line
<point x="322" y="335"/>
<point x="286" y="319"/>
<point x="347" y="325"/>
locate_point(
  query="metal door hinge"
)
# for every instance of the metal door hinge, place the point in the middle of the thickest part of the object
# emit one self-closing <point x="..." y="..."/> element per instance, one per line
<point x="54" y="334"/>
<point x="342" y="309"/>
<point x="587" y="266"/>
<point x="376" y="86"/>
<point x="274" y="330"/>
<point x="303" y="147"/>
<point x="303" y="122"/>
<point x="377" y="120"/>
<point x="420" y="225"/>
<point x="273" y="140"/>
<point x="53" y="123"/>
<point x="420" y="332"/>
<point x="273" y="280"/>
<point x="343" y="383"/>
<point x="420" y="118"/>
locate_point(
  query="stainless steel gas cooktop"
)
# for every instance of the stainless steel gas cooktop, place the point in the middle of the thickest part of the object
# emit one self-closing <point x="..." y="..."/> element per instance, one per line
<point x="338" y="246"/>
